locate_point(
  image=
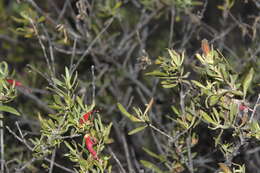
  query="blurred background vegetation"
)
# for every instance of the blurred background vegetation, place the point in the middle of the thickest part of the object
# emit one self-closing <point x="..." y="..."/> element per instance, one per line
<point x="122" y="39"/>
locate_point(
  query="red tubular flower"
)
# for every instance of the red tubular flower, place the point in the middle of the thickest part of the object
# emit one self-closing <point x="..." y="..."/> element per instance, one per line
<point x="89" y="146"/>
<point x="205" y="47"/>
<point x="242" y="107"/>
<point x="85" y="117"/>
<point x="16" y="83"/>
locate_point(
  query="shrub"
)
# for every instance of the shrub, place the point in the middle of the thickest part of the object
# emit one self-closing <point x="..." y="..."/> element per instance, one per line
<point x="214" y="96"/>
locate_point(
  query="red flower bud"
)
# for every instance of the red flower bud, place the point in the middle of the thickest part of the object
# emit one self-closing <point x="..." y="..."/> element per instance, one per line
<point x="16" y="83"/>
<point x="205" y="47"/>
<point x="243" y="107"/>
<point x="89" y="146"/>
<point x="85" y="117"/>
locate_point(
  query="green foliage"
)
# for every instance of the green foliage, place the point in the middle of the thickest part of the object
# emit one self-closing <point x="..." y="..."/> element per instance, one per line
<point x="212" y="99"/>
<point x="151" y="166"/>
<point x="28" y="18"/>
<point x="9" y="109"/>
<point x="172" y="71"/>
<point x="7" y="91"/>
<point x="131" y="117"/>
<point x="64" y="127"/>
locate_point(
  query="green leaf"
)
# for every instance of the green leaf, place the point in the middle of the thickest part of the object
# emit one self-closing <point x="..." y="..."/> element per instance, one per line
<point x="70" y="147"/>
<point x="150" y="165"/>
<point x="201" y="59"/>
<point x="157" y="73"/>
<point x="238" y="93"/>
<point x="138" y="129"/>
<point x="3" y="69"/>
<point x="183" y="123"/>
<point x="207" y="118"/>
<point x="169" y="85"/>
<point x="9" y="109"/>
<point x="124" y="112"/>
<point x="57" y="81"/>
<point x="233" y="111"/>
<point x="157" y="156"/>
<point x="255" y="126"/>
<point x="118" y="5"/>
<point x="247" y="81"/>
<point x="41" y="19"/>
<point x="57" y="99"/>
<point x="213" y="99"/>
<point x="175" y="110"/>
<point x="67" y="73"/>
<point x="198" y="84"/>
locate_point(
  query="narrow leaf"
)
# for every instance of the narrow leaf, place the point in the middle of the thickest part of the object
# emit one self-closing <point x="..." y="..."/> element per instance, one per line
<point x="247" y="81"/>
<point x="157" y="73"/>
<point x="150" y="165"/>
<point x="213" y="100"/>
<point x="207" y="117"/>
<point x="169" y="85"/>
<point x="136" y="130"/>
<point x="130" y="116"/>
<point x="57" y="82"/>
<point x="67" y="73"/>
<point x="232" y="111"/>
<point x="198" y="84"/>
<point x="157" y="156"/>
<point x="149" y="106"/>
<point x="9" y="109"/>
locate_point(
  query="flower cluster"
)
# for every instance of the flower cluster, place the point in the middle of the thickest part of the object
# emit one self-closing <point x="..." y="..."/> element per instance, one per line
<point x="88" y="139"/>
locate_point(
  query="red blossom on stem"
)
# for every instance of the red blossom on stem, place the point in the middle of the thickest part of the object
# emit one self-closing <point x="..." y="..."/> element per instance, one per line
<point x="86" y="116"/>
<point x="89" y="146"/>
<point x="17" y="84"/>
<point x="245" y="108"/>
<point x="242" y="107"/>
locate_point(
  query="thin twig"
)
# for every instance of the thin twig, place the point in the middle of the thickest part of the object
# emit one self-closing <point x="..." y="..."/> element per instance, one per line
<point x="25" y="166"/>
<point x="255" y="107"/>
<point x="52" y="160"/>
<point x="117" y="160"/>
<point x="157" y="143"/>
<point x="160" y="131"/>
<point x="93" y="83"/>
<point x="42" y="45"/>
<point x="92" y="43"/>
<point x="50" y="50"/>
<point x="31" y="149"/>
<point x="171" y="28"/>
<point x="60" y="166"/>
<point x="63" y="10"/>
<point x="188" y="143"/>
<point x="38" y="102"/>
<point x="139" y="26"/>
<point x="48" y="18"/>
<point x="2" y="140"/>
<point x="122" y="138"/>
<point x="73" y="53"/>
